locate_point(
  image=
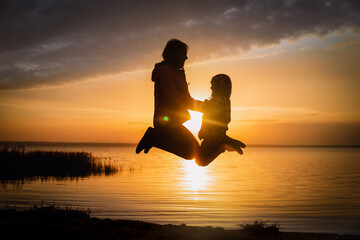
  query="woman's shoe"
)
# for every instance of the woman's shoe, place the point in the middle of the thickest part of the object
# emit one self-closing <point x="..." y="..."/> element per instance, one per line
<point x="145" y="142"/>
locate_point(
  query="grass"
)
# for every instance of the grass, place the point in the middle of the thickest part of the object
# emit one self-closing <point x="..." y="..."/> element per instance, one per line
<point x="42" y="212"/>
<point x="260" y="228"/>
<point x="17" y="164"/>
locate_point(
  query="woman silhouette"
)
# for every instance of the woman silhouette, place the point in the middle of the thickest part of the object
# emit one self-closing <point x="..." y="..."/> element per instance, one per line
<point x="172" y="101"/>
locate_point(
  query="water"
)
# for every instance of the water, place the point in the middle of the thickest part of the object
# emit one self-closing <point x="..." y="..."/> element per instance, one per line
<point x="302" y="189"/>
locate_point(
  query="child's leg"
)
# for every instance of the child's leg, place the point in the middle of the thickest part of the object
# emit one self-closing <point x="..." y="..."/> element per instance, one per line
<point x="209" y="150"/>
<point x="233" y="144"/>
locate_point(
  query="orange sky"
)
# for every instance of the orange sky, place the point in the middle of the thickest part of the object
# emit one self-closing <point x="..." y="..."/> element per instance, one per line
<point x="288" y="93"/>
<point x="296" y="90"/>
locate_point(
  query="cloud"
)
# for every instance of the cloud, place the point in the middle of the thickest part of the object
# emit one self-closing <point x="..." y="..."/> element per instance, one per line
<point x="276" y="115"/>
<point x="257" y="121"/>
<point x="346" y="44"/>
<point x="312" y="133"/>
<point x="45" y="43"/>
<point x="276" y="110"/>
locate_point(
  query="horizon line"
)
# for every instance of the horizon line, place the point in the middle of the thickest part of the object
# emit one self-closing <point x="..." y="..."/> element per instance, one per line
<point x="134" y="144"/>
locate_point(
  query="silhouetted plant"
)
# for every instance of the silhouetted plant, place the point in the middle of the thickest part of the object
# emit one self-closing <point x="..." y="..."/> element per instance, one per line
<point x="52" y="211"/>
<point x="16" y="164"/>
<point x="260" y="228"/>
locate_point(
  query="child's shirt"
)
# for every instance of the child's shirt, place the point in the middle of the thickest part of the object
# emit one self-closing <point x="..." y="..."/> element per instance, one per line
<point x="216" y="117"/>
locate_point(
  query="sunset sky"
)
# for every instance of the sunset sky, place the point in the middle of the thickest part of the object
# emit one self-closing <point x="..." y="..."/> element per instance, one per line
<point x="79" y="71"/>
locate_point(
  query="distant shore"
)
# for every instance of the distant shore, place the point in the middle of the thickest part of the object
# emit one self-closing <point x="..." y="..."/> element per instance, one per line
<point x="51" y="143"/>
<point x="59" y="223"/>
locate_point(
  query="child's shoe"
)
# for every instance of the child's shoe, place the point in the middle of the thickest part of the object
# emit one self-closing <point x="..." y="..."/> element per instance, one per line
<point x="231" y="148"/>
<point x="233" y="144"/>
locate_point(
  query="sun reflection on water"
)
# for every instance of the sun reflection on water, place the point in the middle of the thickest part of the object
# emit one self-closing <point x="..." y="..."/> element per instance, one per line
<point x="196" y="179"/>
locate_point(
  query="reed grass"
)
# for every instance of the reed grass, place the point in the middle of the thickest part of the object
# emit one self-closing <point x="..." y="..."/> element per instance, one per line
<point x="41" y="211"/>
<point x="260" y="228"/>
<point x="18" y="164"/>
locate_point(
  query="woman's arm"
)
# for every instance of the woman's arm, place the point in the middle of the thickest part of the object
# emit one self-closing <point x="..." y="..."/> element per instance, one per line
<point x="196" y="105"/>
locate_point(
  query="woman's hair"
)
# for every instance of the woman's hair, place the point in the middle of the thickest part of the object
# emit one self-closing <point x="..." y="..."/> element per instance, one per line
<point x="173" y="47"/>
<point x="221" y="85"/>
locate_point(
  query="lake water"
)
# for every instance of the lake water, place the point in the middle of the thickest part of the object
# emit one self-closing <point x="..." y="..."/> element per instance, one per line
<point x="302" y="189"/>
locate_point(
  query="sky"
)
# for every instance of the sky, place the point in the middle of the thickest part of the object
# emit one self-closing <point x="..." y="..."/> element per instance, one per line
<point x="79" y="71"/>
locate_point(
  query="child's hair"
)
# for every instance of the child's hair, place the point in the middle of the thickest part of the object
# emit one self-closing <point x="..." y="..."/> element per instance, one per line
<point x="221" y="85"/>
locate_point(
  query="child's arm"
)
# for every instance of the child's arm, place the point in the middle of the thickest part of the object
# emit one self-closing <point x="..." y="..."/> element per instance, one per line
<point x="198" y="105"/>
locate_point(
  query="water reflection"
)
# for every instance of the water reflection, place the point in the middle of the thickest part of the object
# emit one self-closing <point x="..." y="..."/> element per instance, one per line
<point x="195" y="178"/>
<point x="303" y="189"/>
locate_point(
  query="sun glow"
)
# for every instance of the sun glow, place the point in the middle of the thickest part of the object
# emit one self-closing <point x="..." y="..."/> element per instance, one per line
<point x="194" y="124"/>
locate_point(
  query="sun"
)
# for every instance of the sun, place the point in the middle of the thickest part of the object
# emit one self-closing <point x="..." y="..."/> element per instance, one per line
<point x="194" y="124"/>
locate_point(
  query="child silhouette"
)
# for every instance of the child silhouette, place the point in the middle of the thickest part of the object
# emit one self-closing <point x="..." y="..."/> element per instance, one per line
<point x="215" y="122"/>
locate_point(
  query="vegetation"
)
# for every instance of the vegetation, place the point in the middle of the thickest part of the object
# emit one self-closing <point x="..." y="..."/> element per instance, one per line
<point x="41" y="211"/>
<point x="260" y="228"/>
<point x="17" y="164"/>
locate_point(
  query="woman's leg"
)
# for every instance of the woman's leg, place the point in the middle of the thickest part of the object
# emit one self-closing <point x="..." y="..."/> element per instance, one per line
<point x="176" y="139"/>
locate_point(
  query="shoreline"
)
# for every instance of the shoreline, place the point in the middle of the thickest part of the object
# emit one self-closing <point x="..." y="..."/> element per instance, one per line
<point x="95" y="228"/>
<point x="65" y="223"/>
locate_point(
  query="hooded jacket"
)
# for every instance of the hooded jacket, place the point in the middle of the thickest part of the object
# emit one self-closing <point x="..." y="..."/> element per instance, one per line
<point x="216" y="118"/>
<point x="172" y="97"/>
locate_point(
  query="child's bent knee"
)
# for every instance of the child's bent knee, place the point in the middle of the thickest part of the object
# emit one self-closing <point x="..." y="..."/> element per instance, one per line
<point x="201" y="163"/>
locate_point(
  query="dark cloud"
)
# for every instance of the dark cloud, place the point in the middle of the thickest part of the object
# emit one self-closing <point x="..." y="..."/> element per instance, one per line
<point x="53" y="42"/>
